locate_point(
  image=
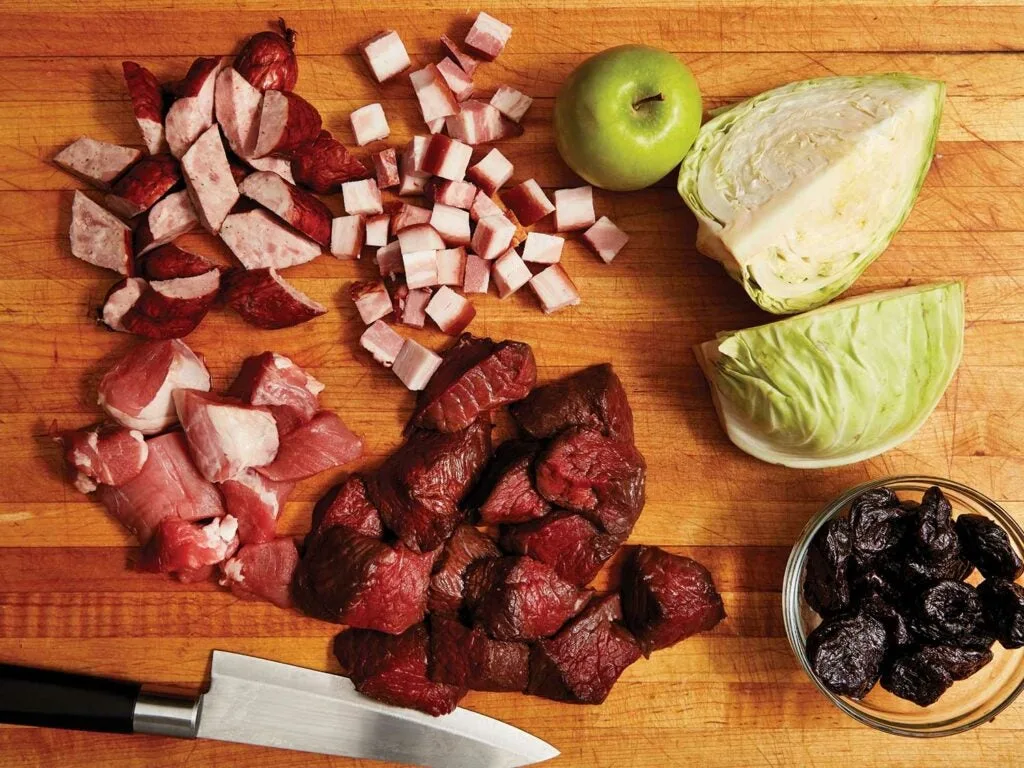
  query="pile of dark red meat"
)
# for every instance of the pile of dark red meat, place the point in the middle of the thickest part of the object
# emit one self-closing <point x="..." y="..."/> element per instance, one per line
<point x="436" y="606"/>
<point x="200" y="479"/>
<point x="890" y="583"/>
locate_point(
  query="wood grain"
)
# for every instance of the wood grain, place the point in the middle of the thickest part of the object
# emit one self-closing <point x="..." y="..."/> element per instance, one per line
<point x="735" y="697"/>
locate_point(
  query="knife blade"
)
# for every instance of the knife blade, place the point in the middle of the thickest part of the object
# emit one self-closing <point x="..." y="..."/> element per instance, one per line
<point x="256" y="701"/>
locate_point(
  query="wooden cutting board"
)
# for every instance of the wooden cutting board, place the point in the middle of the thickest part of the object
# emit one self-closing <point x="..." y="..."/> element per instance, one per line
<point x="735" y="697"/>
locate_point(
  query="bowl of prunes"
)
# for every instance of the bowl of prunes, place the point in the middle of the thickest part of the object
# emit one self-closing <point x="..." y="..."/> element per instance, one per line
<point x="901" y="603"/>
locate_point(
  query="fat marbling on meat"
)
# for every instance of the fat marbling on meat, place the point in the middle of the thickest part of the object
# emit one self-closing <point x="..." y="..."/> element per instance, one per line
<point x="104" y="454"/>
<point x="189" y="550"/>
<point x="256" y="503"/>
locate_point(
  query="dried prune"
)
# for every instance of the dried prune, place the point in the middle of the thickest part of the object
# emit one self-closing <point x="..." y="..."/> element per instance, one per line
<point x="919" y="572"/>
<point x="915" y="677"/>
<point x="897" y="628"/>
<point x="826" y="587"/>
<point x="960" y="663"/>
<point x="951" y="613"/>
<point x="934" y="535"/>
<point x="880" y="577"/>
<point x="846" y="653"/>
<point x="1004" y="608"/>
<point x="986" y="545"/>
<point x="877" y="521"/>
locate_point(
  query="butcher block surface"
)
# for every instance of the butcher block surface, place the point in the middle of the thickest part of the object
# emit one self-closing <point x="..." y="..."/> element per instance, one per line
<point x="733" y="697"/>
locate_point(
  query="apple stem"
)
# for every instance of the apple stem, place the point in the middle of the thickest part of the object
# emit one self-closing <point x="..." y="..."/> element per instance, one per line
<point x="647" y="100"/>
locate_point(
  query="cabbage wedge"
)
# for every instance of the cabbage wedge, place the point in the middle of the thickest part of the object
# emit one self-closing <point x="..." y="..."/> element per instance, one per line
<point x="797" y="190"/>
<point x="839" y="384"/>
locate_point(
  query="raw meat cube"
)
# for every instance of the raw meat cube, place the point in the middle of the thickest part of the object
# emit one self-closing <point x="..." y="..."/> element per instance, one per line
<point x="451" y="266"/>
<point x="542" y="248"/>
<point x="460" y="83"/>
<point x="491" y="173"/>
<point x="488" y="36"/>
<point x="371" y="299"/>
<point x="409" y="216"/>
<point x="466" y="62"/>
<point x="104" y="454"/>
<point x="381" y="341"/>
<point x="554" y="289"/>
<point x="361" y="197"/>
<point x="386" y="55"/>
<point x="451" y="223"/>
<point x="417" y="238"/>
<point x="506" y="493"/>
<point x="262" y="572"/>
<point x="256" y="503"/>
<point x="435" y="97"/>
<point x="413" y="305"/>
<point x="458" y="194"/>
<point x="322" y="443"/>
<point x="510" y="274"/>
<point x="415" y="364"/>
<point x="189" y="550"/>
<point x="566" y="541"/>
<point x="492" y="237"/>
<point x="511" y="103"/>
<point x="446" y="158"/>
<point x="346" y="505"/>
<point x="484" y="206"/>
<point x="385" y="165"/>
<point x="528" y="202"/>
<point x="436" y="126"/>
<point x="574" y="208"/>
<point x="377" y="230"/>
<point x="478" y="274"/>
<point x="605" y="239"/>
<point x="369" y="124"/>
<point x="420" y="268"/>
<point x="389" y="259"/>
<point x="477" y="122"/>
<point x="347" y="236"/>
<point x="450" y="311"/>
<point x="468" y="658"/>
<point x="275" y="382"/>
<point x="465" y="546"/>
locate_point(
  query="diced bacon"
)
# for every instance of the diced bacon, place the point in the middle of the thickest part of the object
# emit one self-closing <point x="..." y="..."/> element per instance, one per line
<point x="389" y="259"/>
<point x="225" y="437"/>
<point x="511" y="103"/>
<point x="493" y="236"/>
<point x="436" y="126"/>
<point x="386" y="55"/>
<point x="414" y="178"/>
<point x="137" y="391"/>
<point x="555" y="289"/>
<point x="574" y="208"/>
<point x="415" y="365"/>
<point x="491" y="172"/>
<point x="488" y="36"/>
<point x="322" y="443"/>
<point x="528" y="202"/>
<point x="385" y="165"/>
<point x="467" y="63"/>
<point x="282" y="166"/>
<point x="167" y="487"/>
<point x="419" y="237"/>
<point x="510" y="274"/>
<point x="347" y="236"/>
<point x="371" y="299"/>
<point x="541" y="248"/>
<point x="192" y="113"/>
<point x="520" y="234"/>
<point x="262" y="572"/>
<point x="324" y="164"/>
<point x="208" y="179"/>
<point x="451" y="266"/>
<point x="476" y="122"/>
<point x="362" y="197"/>
<point x="97" y="162"/>
<point x="447" y="158"/>
<point x="273" y="381"/>
<point x="188" y="550"/>
<point x="263" y="298"/>
<point x="413" y="183"/>
<point x="605" y="239"/>
<point x="167" y="309"/>
<point x="460" y="83"/>
<point x="450" y="311"/>
<point x="143" y="185"/>
<point x="369" y="124"/>
<point x="452" y="224"/>
<point x="147" y="104"/>
<point x="420" y="268"/>
<point x="377" y="228"/>
<point x="167" y="220"/>
<point x="237" y="108"/>
<point x="478" y="275"/>
<point x="484" y="206"/>
<point x="382" y="341"/>
<point x="409" y="215"/>
<point x="256" y="503"/>
<point x="259" y="240"/>
<point x="413" y="306"/>
<point x="287" y="121"/>
<point x="300" y="209"/>
<point x="105" y="454"/>
<point x="99" y="237"/>
<point x="435" y="97"/>
<point x="458" y="194"/>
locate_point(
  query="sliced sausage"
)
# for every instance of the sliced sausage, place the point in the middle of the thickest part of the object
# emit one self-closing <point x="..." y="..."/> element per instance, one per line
<point x="145" y="183"/>
<point x="264" y="299"/>
<point x="302" y="210"/>
<point x="287" y="121"/>
<point x="97" y="162"/>
<point x="148" y="105"/>
<point x="259" y="239"/>
<point x="192" y="113"/>
<point x="99" y="237"/>
<point x="208" y="179"/>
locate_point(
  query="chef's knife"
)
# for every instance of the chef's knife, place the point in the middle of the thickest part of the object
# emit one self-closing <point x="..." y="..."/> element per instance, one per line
<point x="255" y="701"/>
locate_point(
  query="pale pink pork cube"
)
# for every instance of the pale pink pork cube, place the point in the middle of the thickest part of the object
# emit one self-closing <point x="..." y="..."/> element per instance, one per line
<point x="347" y="237"/>
<point x="412" y="305"/>
<point x="574" y="208"/>
<point x="511" y="103"/>
<point x="385" y="53"/>
<point x="458" y="194"/>
<point x="605" y="239"/>
<point x="510" y="274"/>
<point x="371" y="299"/>
<point x="361" y="197"/>
<point x="452" y="224"/>
<point x="419" y="237"/>
<point x="377" y="230"/>
<point x="488" y="36"/>
<point x="451" y="266"/>
<point x="491" y="173"/>
<point x="389" y="259"/>
<point x="446" y="158"/>
<point x="369" y="124"/>
<point x="433" y="94"/>
<point x="415" y="365"/>
<point x="478" y="274"/>
<point x="382" y="341"/>
<point x="493" y="236"/>
<point x="457" y="79"/>
<point x="528" y="202"/>
<point x="385" y="165"/>
<point x="541" y="248"/>
<point x="420" y="268"/>
<point x="484" y="206"/>
<point x="554" y="289"/>
<point x="450" y="311"/>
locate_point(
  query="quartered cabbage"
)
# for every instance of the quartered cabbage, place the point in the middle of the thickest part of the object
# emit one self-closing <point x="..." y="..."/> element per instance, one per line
<point x="798" y="190"/>
<point x="839" y="384"/>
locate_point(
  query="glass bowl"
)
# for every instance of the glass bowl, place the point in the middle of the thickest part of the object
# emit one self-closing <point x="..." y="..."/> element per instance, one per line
<point x="967" y="703"/>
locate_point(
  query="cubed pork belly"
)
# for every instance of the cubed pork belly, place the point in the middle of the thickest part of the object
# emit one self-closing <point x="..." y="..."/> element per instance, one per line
<point x="369" y="124"/>
<point x="466" y="63"/>
<point x="393" y="669"/>
<point x="407" y="216"/>
<point x="477" y="375"/>
<point x="451" y="266"/>
<point x="460" y="83"/>
<point x="477" y="275"/>
<point x="256" y="503"/>
<point x="466" y="545"/>
<point x="457" y="194"/>
<point x="478" y="122"/>
<point x="358" y="580"/>
<point x="97" y="162"/>
<point x="99" y="237"/>
<point x="322" y="443"/>
<point x="385" y="166"/>
<point x="451" y="223"/>
<point x="347" y="236"/>
<point x="372" y="300"/>
<point x="376" y="230"/>
<point x="389" y="259"/>
<point x="506" y="494"/>
<point x="574" y="208"/>
<point x="412" y="307"/>
<point x="521" y="599"/>
<point x="420" y="268"/>
<point x="188" y="550"/>
<point x="262" y="571"/>
<point x="275" y="382"/>
<point x="510" y="273"/>
<point x="346" y="505"/>
<point x="385" y="54"/>
<point x="483" y="207"/>
<point x="542" y="248"/>
<point x="583" y="661"/>
<point x="491" y="172"/>
<point x="493" y="237"/>
<point x="666" y="598"/>
<point x="568" y="542"/>
<point x="511" y="103"/>
<point x="528" y="202"/>
<point x="383" y="342"/>
<point x="362" y="197"/>
<point x="488" y="36"/>
<point x="103" y="454"/>
<point x="137" y="391"/>
<point x="450" y="311"/>
<point x="554" y="289"/>
<point x="605" y="239"/>
<point x="593" y="398"/>
<point x="447" y="158"/>
<point x="467" y="658"/>
<point x="435" y="97"/>
<point x="418" y="489"/>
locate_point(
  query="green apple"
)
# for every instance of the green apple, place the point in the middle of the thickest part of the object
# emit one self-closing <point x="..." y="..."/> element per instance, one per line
<point x="625" y="117"/>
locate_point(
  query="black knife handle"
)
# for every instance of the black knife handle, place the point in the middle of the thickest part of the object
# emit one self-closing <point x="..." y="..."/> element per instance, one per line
<point x="52" y="699"/>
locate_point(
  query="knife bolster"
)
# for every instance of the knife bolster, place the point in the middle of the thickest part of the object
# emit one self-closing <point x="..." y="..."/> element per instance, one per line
<point x="166" y="715"/>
